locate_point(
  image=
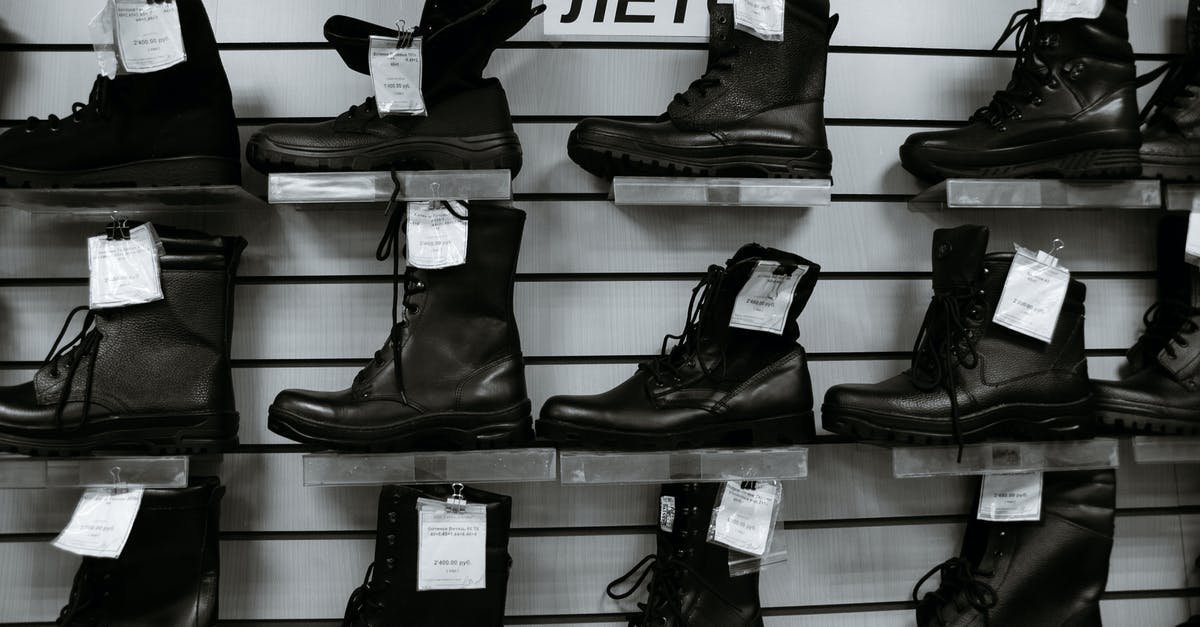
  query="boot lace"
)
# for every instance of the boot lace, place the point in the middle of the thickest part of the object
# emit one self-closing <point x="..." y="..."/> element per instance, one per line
<point x="665" y="590"/>
<point x="71" y="355"/>
<point x="1177" y="91"/>
<point x="959" y="581"/>
<point x="84" y="606"/>
<point x="944" y="343"/>
<point x="1029" y="75"/>
<point x="1167" y="323"/>
<point x="720" y="62"/>
<point x="96" y="106"/>
<point x="364" y="601"/>
<point x="666" y="368"/>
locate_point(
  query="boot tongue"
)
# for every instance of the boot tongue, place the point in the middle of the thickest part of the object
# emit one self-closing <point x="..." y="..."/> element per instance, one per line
<point x="958" y="256"/>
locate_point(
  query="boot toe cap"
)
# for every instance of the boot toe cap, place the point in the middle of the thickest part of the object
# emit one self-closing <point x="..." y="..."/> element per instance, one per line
<point x="305" y="406"/>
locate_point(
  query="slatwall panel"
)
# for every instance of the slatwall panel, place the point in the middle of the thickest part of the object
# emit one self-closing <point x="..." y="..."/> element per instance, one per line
<point x="597" y="288"/>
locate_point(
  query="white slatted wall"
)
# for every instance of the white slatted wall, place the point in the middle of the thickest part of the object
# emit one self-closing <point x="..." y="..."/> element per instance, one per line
<point x="598" y="287"/>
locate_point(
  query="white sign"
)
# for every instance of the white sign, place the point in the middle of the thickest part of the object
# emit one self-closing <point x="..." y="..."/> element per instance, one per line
<point x="123" y="272"/>
<point x="149" y="37"/>
<point x="437" y="238"/>
<point x="101" y="523"/>
<point x="396" y="74"/>
<point x="1061" y="10"/>
<point x="1191" y="249"/>
<point x="745" y="518"/>
<point x="763" y="302"/>
<point x="617" y="19"/>
<point x="451" y="547"/>
<point x="1011" y="498"/>
<point x="1033" y="295"/>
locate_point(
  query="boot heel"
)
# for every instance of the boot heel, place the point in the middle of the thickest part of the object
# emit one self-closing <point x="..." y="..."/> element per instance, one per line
<point x="784" y="430"/>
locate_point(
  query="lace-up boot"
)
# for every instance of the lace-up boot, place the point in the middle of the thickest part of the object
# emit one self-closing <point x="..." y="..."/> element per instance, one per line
<point x="718" y="386"/>
<point x="758" y="110"/>
<point x="146" y="377"/>
<point x="468" y="125"/>
<point x="1069" y="111"/>
<point x="972" y="379"/>
<point x="1171" y="138"/>
<point x="1161" y="390"/>
<point x="1033" y="573"/>
<point x="169" y="572"/>
<point x="171" y="127"/>
<point x="451" y="373"/>
<point x="689" y="582"/>
<point x="389" y="596"/>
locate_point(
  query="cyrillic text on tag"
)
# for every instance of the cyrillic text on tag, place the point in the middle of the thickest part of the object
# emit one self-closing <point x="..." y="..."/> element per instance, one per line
<point x="101" y="523"/>
<point x="666" y="513"/>
<point x="1033" y="296"/>
<point x="451" y="546"/>
<point x="1061" y="10"/>
<point x="148" y="35"/>
<point x="761" y="18"/>
<point x="124" y="272"/>
<point x="763" y="302"/>
<point x="396" y="74"/>
<point x="1011" y="498"/>
<point x="437" y="234"/>
<point x="745" y="518"/>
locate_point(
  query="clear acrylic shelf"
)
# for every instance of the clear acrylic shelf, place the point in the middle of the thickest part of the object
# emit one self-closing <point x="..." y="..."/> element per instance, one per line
<point x="696" y="465"/>
<point x="1039" y="194"/>
<point x="1182" y="197"/>
<point x="1151" y="449"/>
<point x="353" y="187"/>
<point x="500" y="465"/>
<point x="93" y="472"/>
<point x="1004" y="457"/>
<point x="131" y="200"/>
<point x="697" y="192"/>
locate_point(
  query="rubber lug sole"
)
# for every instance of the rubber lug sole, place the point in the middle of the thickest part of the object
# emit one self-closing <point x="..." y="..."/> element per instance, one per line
<point x="775" y="431"/>
<point x="1144" y="422"/>
<point x="609" y="161"/>
<point x="174" y="172"/>
<point x="1115" y="163"/>
<point x="511" y="428"/>
<point x="1068" y="422"/>
<point x="203" y="436"/>
<point x="497" y="151"/>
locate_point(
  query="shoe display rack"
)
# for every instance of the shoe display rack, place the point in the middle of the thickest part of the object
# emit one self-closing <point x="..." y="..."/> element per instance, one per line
<point x="130" y="201"/>
<point x="703" y="192"/>
<point x="696" y="465"/>
<point x="93" y="472"/>
<point x="527" y="465"/>
<point x="361" y="187"/>
<point x="1039" y="194"/>
<point x="1150" y="449"/>
<point x="993" y="458"/>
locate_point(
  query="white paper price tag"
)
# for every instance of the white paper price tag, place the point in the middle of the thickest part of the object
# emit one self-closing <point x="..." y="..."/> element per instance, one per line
<point x="101" y="523"/>
<point x="1191" y="248"/>
<point x="744" y="519"/>
<point x="124" y="272"/>
<point x="451" y="547"/>
<point x="396" y="74"/>
<point x="1033" y="296"/>
<point x="1061" y="10"/>
<point x="761" y="18"/>
<point x="148" y="36"/>
<point x="762" y="304"/>
<point x="1011" y="498"/>
<point x="437" y="238"/>
<point x="666" y="514"/>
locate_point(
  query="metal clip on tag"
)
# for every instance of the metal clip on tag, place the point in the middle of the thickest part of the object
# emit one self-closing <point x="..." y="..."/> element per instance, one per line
<point x="404" y="38"/>
<point x="118" y="229"/>
<point x="1056" y="245"/>
<point x="456" y="503"/>
<point x="785" y="270"/>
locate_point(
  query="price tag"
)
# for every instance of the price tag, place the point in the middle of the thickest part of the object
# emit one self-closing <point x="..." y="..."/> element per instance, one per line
<point x="101" y="523"/>
<point x="1011" y="498"/>
<point x="763" y="303"/>
<point x="761" y="18"/>
<point x="666" y="513"/>
<point x="745" y="518"/>
<point x="451" y="546"/>
<point x="124" y="272"/>
<point x="149" y="37"/>
<point x="1061" y="10"/>
<point x="437" y="238"/>
<point x="396" y="73"/>
<point x="1033" y="295"/>
<point x="1191" y="247"/>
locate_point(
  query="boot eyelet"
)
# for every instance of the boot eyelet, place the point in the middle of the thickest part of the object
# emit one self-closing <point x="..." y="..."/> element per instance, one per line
<point x="392" y="517"/>
<point x="721" y="20"/>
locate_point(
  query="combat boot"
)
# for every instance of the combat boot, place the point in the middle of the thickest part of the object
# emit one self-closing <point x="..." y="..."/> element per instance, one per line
<point x="1171" y="137"/>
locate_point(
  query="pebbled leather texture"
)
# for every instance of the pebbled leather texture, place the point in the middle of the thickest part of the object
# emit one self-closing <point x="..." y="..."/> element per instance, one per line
<point x="185" y="110"/>
<point x="461" y="350"/>
<point x="394" y="578"/>
<point x="169" y="572"/>
<point x="1050" y="572"/>
<point x="152" y="360"/>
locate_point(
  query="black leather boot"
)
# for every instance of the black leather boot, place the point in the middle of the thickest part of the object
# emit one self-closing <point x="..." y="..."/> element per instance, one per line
<point x="1069" y="111"/>
<point x="1192" y="622"/>
<point x="389" y="596"/>
<point x="690" y="584"/>
<point x="1171" y="138"/>
<point x="171" y="127"/>
<point x="468" y="125"/>
<point x="1161" y="390"/>
<point x="146" y="377"/>
<point x="459" y="381"/>
<point x="718" y="386"/>
<point x="758" y="110"/>
<point x="169" y="572"/>
<point x="972" y="379"/>
<point x="1034" y="573"/>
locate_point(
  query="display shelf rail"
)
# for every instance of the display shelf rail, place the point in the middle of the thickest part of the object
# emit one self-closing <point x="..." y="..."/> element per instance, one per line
<point x="1039" y="194"/>
<point x="1166" y="449"/>
<point x="492" y="466"/>
<point x="130" y="201"/>
<point x="1182" y="196"/>
<point x="993" y="458"/>
<point x="360" y="187"/>
<point x="699" y="192"/>
<point x="696" y="465"/>
<point x="93" y="472"/>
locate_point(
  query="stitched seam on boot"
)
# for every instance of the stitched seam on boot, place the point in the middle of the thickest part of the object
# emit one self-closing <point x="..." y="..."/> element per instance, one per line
<point x="458" y="390"/>
<point x="722" y="405"/>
